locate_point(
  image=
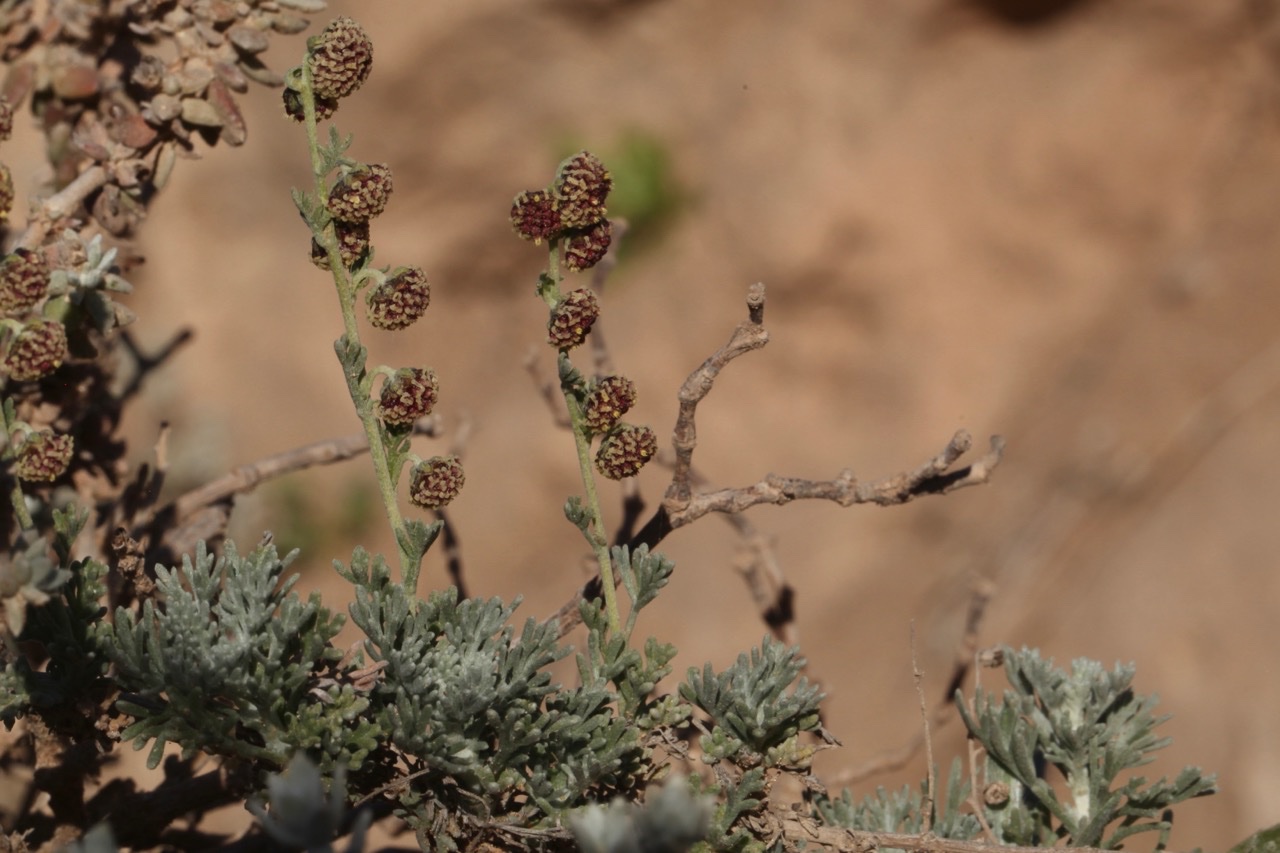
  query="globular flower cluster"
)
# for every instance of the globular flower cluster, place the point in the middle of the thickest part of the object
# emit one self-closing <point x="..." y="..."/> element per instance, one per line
<point x="572" y="209"/>
<point x="580" y="188"/>
<point x="625" y="450"/>
<point x="339" y="59"/>
<point x="607" y="400"/>
<point x="24" y="281"/>
<point x="353" y="243"/>
<point x="585" y="248"/>
<point x="409" y="394"/>
<point x="534" y="216"/>
<point x="6" y="193"/>
<point x="400" y="300"/>
<point x="360" y="194"/>
<point x="436" y="482"/>
<point x="572" y="319"/>
<point x="36" y="351"/>
<point x="44" y="457"/>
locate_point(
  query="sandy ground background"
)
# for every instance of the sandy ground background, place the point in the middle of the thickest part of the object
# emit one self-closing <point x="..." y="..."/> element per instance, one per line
<point x="1052" y="221"/>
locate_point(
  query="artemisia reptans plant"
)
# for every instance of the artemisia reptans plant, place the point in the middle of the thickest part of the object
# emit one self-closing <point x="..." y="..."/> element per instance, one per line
<point x="129" y="619"/>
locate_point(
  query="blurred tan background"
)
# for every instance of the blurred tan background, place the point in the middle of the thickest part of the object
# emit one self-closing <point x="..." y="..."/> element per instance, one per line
<point x="1053" y="221"/>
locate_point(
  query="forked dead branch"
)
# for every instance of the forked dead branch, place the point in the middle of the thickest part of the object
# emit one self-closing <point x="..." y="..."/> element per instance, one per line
<point x="684" y="502"/>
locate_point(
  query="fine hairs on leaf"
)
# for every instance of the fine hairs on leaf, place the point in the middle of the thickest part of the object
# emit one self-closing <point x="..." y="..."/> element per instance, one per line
<point x="758" y="704"/>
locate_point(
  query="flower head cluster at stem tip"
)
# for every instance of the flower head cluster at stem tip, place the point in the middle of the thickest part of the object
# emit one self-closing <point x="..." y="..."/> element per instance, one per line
<point x="340" y="59"/>
<point x="570" y="213"/>
<point x="571" y="210"/>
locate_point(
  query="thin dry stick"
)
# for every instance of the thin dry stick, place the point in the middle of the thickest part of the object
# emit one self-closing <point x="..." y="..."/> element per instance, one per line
<point x="773" y="595"/>
<point x="749" y="335"/>
<point x="681" y="506"/>
<point x="944" y="712"/>
<point x="975" y="785"/>
<point x="248" y="477"/>
<point x="204" y="513"/>
<point x="932" y="478"/>
<point x="986" y="658"/>
<point x="932" y="797"/>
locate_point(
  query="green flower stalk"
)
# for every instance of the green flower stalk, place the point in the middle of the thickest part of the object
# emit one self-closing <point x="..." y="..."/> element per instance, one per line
<point x="570" y="216"/>
<point x="346" y="196"/>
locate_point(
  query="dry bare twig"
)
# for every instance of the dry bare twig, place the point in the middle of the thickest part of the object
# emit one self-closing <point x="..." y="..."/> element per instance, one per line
<point x="246" y="478"/>
<point x="203" y="512"/>
<point x="681" y="506"/>
<point x="931" y="798"/>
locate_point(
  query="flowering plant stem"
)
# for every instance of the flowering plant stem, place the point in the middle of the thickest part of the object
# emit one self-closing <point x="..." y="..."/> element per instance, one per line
<point x="16" y="496"/>
<point x="549" y="290"/>
<point x="358" y="384"/>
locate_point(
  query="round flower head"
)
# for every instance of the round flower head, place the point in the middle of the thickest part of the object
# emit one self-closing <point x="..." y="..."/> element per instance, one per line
<point x="341" y="58"/>
<point x="44" y="457"/>
<point x="436" y="482"/>
<point x="325" y="107"/>
<point x="608" y="399"/>
<point x="408" y="395"/>
<point x="24" y="281"/>
<point x="400" y="300"/>
<point x="572" y="319"/>
<point x="624" y="451"/>
<point x="584" y="249"/>
<point x="535" y="217"/>
<point x="582" y="183"/>
<point x="361" y="194"/>
<point x="353" y="242"/>
<point x="37" y="351"/>
<point x="6" y="192"/>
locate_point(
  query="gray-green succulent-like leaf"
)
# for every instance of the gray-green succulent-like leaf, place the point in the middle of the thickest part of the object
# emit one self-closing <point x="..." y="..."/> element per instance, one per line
<point x="761" y="700"/>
